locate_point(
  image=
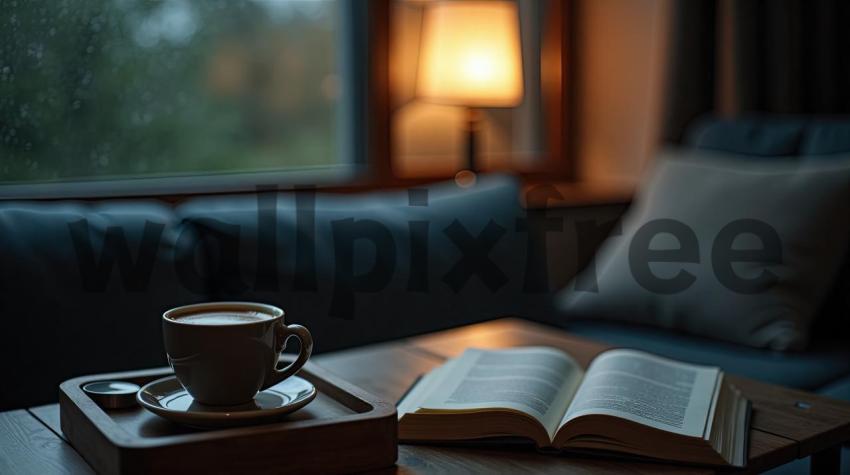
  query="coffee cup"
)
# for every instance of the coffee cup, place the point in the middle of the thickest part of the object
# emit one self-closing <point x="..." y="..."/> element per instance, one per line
<point x="224" y="353"/>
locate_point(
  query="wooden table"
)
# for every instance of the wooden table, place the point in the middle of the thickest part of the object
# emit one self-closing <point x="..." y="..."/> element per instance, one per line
<point x="786" y="423"/>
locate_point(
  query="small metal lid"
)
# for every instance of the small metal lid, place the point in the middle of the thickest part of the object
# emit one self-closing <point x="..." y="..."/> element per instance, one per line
<point x="112" y="394"/>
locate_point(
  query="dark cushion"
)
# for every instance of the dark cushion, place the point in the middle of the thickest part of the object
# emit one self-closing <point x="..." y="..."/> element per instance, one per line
<point x="64" y="311"/>
<point x="748" y="136"/>
<point x="808" y="370"/>
<point x="769" y="136"/>
<point x="400" y="247"/>
<point x="826" y="137"/>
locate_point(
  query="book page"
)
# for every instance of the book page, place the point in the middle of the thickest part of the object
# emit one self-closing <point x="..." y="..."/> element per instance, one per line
<point x="647" y="389"/>
<point x="413" y="400"/>
<point x="537" y="381"/>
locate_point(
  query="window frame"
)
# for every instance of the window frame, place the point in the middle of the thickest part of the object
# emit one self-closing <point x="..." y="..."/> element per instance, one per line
<point x="366" y="109"/>
<point x="558" y="97"/>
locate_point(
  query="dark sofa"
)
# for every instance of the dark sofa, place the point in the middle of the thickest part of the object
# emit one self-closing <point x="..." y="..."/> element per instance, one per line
<point x="83" y="284"/>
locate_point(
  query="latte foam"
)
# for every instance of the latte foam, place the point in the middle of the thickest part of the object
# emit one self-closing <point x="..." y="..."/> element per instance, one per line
<point x="232" y="317"/>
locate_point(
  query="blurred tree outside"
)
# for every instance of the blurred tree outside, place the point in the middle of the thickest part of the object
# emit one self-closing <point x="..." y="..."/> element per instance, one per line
<point x="117" y="88"/>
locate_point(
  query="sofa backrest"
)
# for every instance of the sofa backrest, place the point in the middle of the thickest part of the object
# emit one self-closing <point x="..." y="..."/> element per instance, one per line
<point x="83" y="285"/>
<point x="81" y="290"/>
<point x="772" y="136"/>
<point x="362" y="268"/>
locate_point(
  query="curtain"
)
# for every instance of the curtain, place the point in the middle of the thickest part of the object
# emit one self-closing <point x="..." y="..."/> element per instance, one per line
<point x="737" y="57"/>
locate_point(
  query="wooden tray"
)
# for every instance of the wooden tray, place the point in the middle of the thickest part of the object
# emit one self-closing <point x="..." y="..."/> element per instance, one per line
<point x="344" y="429"/>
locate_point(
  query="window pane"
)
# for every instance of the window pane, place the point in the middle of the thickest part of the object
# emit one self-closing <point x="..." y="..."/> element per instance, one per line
<point x="117" y="88"/>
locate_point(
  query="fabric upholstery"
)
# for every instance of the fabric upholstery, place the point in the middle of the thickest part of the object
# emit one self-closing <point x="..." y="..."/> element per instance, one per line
<point x="66" y="311"/>
<point x="786" y="138"/>
<point x="824" y="138"/>
<point x="749" y="136"/>
<point x="83" y="286"/>
<point x="405" y="250"/>
<point x="767" y="301"/>
<point x="772" y="136"/>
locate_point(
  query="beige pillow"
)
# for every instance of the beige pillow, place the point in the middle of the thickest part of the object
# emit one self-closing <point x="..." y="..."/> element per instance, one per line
<point x="722" y="247"/>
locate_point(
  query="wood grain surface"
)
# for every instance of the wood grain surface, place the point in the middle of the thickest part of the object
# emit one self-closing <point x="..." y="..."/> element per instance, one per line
<point x="28" y="446"/>
<point x="359" y="429"/>
<point x="782" y="429"/>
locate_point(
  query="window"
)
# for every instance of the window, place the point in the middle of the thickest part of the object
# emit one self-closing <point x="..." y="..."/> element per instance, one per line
<point x="144" y="97"/>
<point x="92" y="90"/>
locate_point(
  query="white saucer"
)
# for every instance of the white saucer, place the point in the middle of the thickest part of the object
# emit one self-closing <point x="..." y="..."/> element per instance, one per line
<point x="167" y="398"/>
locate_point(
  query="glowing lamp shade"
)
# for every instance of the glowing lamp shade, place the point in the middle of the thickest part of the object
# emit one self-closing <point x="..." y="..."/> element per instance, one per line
<point x="471" y="54"/>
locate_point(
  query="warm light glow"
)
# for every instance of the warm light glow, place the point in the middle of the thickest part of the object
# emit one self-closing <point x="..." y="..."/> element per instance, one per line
<point x="471" y="54"/>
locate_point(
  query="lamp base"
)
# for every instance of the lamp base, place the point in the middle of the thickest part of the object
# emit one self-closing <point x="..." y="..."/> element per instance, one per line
<point x="473" y="122"/>
<point x="467" y="177"/>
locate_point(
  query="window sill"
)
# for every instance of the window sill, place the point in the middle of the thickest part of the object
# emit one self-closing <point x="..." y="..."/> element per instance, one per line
<point x="172" y="188"/>
<point x="545" y="194"/>
<point x="537" y="192"/>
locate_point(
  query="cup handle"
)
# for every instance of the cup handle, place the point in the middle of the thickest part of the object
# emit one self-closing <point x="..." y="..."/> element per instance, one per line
<point x="284" y="333"/>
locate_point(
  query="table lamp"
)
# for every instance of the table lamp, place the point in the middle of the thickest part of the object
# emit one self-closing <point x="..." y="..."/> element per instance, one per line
<point x="470" y="56"/>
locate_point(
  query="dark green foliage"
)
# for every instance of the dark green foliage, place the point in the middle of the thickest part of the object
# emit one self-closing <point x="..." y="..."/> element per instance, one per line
<point x="97" y="88"/>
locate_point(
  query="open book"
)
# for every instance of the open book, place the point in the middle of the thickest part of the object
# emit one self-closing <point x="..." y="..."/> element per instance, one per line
<point x="628" y="402"/>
